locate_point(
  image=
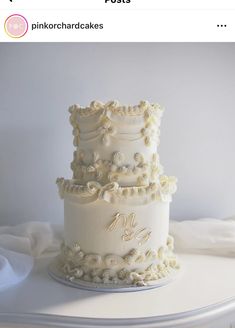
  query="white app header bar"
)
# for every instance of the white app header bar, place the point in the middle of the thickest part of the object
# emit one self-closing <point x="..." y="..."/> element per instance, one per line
<point x="136" y="21"/>
<point x="104" y="26"/>
<point x="118" y="4"/>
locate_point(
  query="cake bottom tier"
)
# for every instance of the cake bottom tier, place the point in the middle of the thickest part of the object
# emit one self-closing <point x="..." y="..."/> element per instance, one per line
<point x="116" y="244"/>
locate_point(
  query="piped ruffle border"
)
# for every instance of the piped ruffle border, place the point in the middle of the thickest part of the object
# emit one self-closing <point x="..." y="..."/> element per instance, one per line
<point x="113" y="193"/>
<point x="75" y="264"/>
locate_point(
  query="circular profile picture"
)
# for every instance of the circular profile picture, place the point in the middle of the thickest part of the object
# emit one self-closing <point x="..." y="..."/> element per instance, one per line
<point x="16" y="26"/>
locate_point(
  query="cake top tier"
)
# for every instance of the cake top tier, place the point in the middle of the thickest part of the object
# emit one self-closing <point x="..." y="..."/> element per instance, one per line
<point x="116" y="143"/>
<point x="116" y="154"/>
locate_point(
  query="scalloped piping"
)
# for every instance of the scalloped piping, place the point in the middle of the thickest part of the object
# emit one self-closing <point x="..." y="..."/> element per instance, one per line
<point x="75" y="264"/>
<point x="114" y="106"/>
<point x="113" y="193"/>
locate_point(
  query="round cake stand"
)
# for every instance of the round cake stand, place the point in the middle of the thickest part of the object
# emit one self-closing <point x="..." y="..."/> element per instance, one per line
<point x="98" y="287"/>
<point x="202" y="296"/>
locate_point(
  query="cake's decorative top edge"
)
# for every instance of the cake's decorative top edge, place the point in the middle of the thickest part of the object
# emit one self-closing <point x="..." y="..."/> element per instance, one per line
<point x="144" y="107"/>
<point x="113" y="193"/>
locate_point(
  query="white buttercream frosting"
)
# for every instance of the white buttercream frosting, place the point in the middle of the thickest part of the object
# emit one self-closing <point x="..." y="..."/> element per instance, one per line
<point x="116" y="269"/>
<point x="117" y="204"/>
<point x="110" y="130"/>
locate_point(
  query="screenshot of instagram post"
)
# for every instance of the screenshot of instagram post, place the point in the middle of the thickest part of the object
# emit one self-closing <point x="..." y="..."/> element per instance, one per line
<point x="117" y="157"/>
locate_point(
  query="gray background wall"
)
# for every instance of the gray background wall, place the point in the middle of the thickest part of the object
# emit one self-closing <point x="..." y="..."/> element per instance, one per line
<point x="195" y="82"/>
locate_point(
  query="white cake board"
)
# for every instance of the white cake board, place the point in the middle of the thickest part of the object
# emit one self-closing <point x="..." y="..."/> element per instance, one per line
<point x="101" y="287"/>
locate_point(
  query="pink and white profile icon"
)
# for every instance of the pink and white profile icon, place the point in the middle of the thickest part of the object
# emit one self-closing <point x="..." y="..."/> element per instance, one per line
<point x="16" y="26"/>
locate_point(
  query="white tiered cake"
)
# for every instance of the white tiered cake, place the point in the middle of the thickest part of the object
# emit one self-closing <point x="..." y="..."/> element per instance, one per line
<point x="116" y="207"/>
